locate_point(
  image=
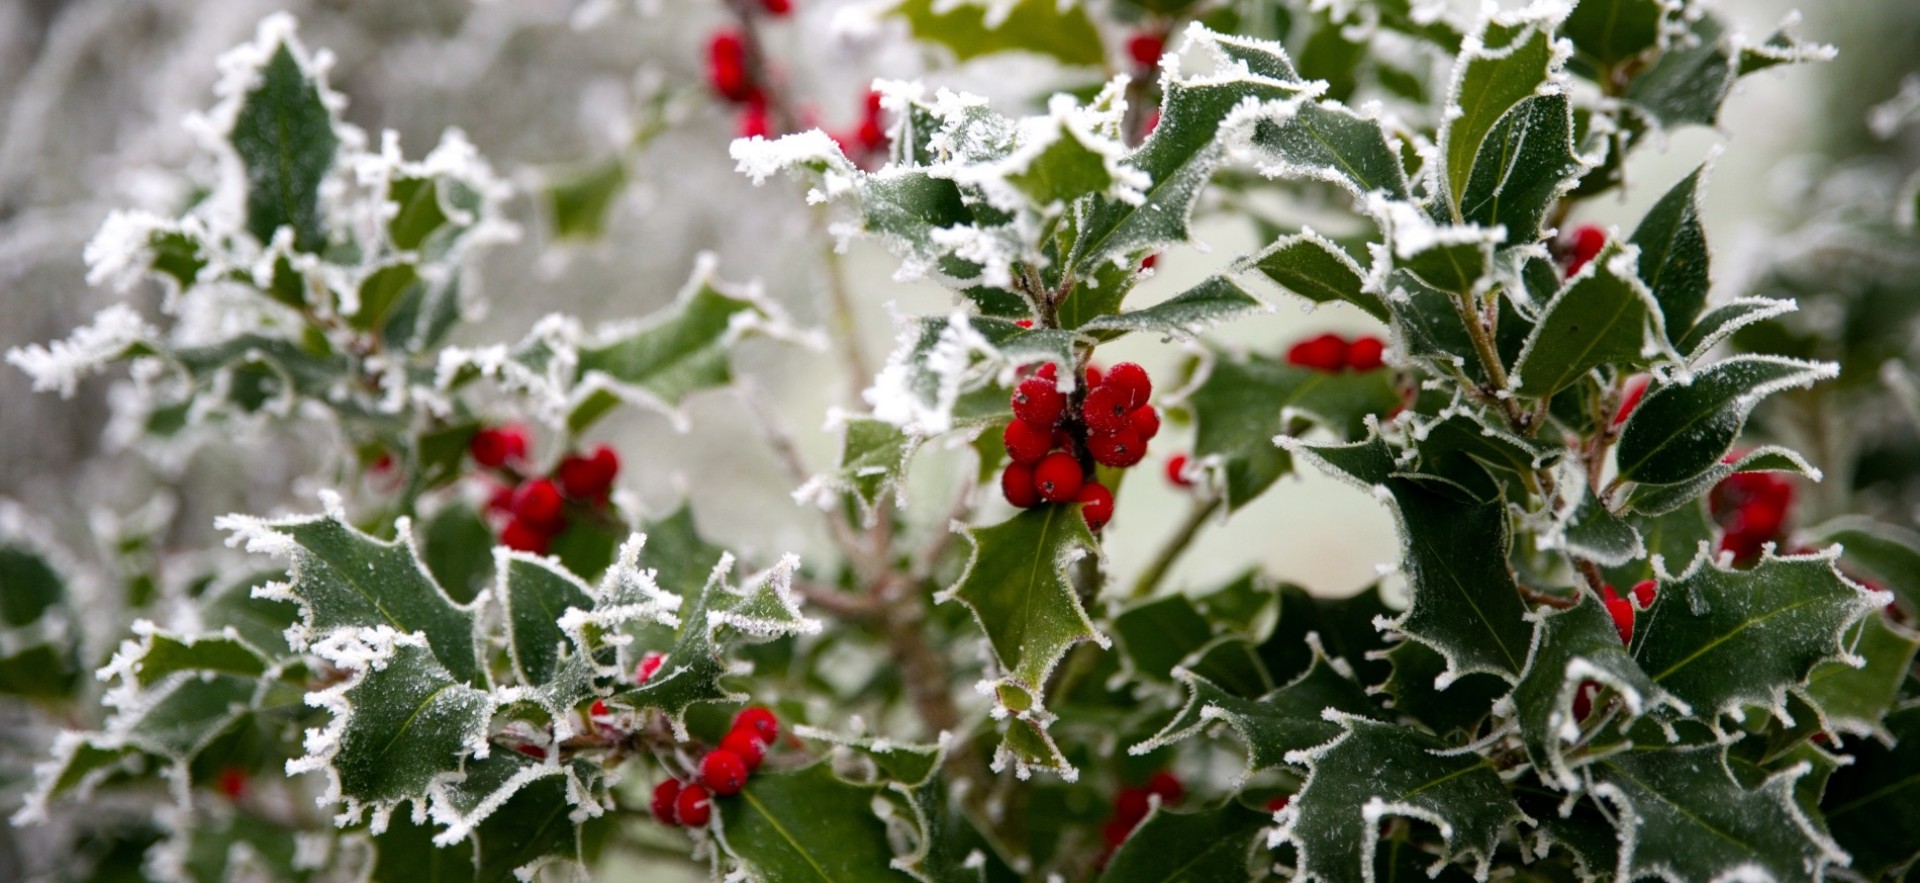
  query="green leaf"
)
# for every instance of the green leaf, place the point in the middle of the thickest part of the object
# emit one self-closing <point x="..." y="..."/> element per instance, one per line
<point x="1719" y="639"/>
<point x="1452" y="259"/>
<point x="1347" y="628"/>
<point x="1854" y="700"/>
<point x="1019" y="584"/>
<point x="1683" y="815"/>
<point x="383" y="290"/>
<point x="1183" y="315"/>
<point x="1603" y="317"/>
<point x="1287" y="720"/>
<point x="1719" y="323"/>
<point x="1660" y="499"/>
<point x="1326" y="141"/>
<point x="520" y="815"/>
<point x="1313" y="267"/>
<point x="1377" y="770"/>
<point x="1161" y="633"/>
<point x="1573" y="648"/>
<point x="1689" y="81"/>
<point x="1077" y="159"/>
<point x="342" y="579"/>
<point x="1039" y="26"/>
<point x="806" y="825"/>
<point x="405" y="851"/>
<point x="1597" y="535"/>
<point x="873" y="464"/>
<point x="1607" y="32"/>
<point x="1418" y="672"/>
<point x="1872" y="804"/>
<point x="417" y="212"/>
<point x="283" y="134"/>
<point x="579" y="199"/>
<point x="1526" y="162"/>
<point x="940" y="360"/>
<point x="1211" y="844"/>
<point x="33" y="585"/>
<point x="450" y="546"/>
<point x="1244" y="400"/>
<point x="1887" y="552"/>
<point x="1514" y="60"/>
<point x="156" y="654"/>
<point x="533" y="595"/>
<point x="1680" y="430"/>
<point x="1673" y="253"/>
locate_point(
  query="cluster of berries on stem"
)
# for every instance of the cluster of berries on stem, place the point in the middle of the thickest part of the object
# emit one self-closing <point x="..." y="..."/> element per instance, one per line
<point x="1332" y="353"/>
<point x="1053" y="445"/>
<point x="530" y="511"/>
<point x="722" y="773"/>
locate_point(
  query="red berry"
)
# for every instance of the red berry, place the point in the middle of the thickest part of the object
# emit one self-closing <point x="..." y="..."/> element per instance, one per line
<point x="1057" y="477"/>
<point x="538" y="505"/>
<point x="1047" y="370"/>
<point x="1643" y="592"/>
<point x="1153" y="122"/>
<point x="533" y="751"/>
<point x="1037" y="401"/>
<point x="589" y="477"/>
<point x="694" y="806"/>
<point x="1028" y="323"/>
<point x="723" y="772"/>
<point x="1106" y="408"/>
<point x="649" y="664"/>
<point x="871" y="135"/>
<point x="665" y="795"/>
<point x="1147" y="262"/>
<point x="1132" y="378"/>
<point x="758" y="719"/>
<point x="1168" y="786"/>
<point x="1584" y="246"/>
<point x="1636" y="388"/>
<point x="1115" y="832"/>
<point x="1364" y="354"/>
<point x="746" y="745"/>
<point x="1118" y="449"/>
<point x="1279" y="803"/>
<point x="1016" y="484"/>
<point x="1098" y="505"/>
<point x="1027" y="443"/>
<point x="873" y="104"/>
<point x="1327" y="352"/>
<point x="598" y="708"/>
<point x="232" y="782"/>
<point x="1130" y="805"/>
<point x="1622" y="612"/>
<point x="777" y="8"/>
<point x="1177" y="471"/>
<point x="1146" y="421"/>
<point x="1146" y="49"/>
<point x="727" y="68"/>
<point x="521" y="537"/>
<point x="496" y="446"/>
<point x="753" y="122"/>
<point x="1094" y="376"/>
<point x="1583" y="699"/>
<point x="500" y="502"/>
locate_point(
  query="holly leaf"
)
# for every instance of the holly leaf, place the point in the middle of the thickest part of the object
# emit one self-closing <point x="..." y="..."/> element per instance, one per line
<point x="579" y="199"/>
<point x="873" y="466"/>
<point x="1604" y="316"/>
<point x="1416" y="689"/>
<point x="1871" y="804"/>
<point x="1210" y="844"/>
<point x="972" y="29"/>
<point x="520" y="815"/>
<point x="1375" y="770"/>
<point x="344" y="579"/>
<point x="939" y="360"/>
<point x="1597" y="535"/>
<point x="283" y="135"/>
<point x="1509" y="62"/>
<point x="1291" y="719"/>
<point x="1526" y="162"/>
<point x="1855" y="700"/>
<point x="1718" y="638"/>
<point x="1451" y="259"/>
<point x="1185" y="314"/>
<point x="806" y="824"/>
<point x="1889" y="553"/>
<point x="1693" y="77"/>
<point x="533" y="596"/>
<point x="1314" y="267"/>
<point x="1326" y="141"/>
<point x="1160" y="633"/>
<point x="1574" y="649"/>
<point x="1661" y="499"/>
<point x="1674" y="259"/>
<point x="1605" y="34"/>
<point x="1681" y="429"/>
<point x="1719" y="323"/>
<point x="155" y="655"/>
<point x="1019" y="585"/>
<point x="1683" y="816"/>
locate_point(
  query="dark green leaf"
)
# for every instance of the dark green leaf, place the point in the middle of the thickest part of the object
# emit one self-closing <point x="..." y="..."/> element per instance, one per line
<point x="1680" y="430"/>
<point x="1414" y="685"/>
<point x="1019" y="584"/>
<point x="533" y="594"/>
<point x="1214" y="844"/>
<point x="455" y="546"/>
<point x="284" y="137"/>
<point x="578" y="200"/>
<point x="1853" y="700"/>
<point x="29" y="584"/>
<point x="1449" y="259"/>
<point x="1722" y="321"/>
<point x="1889" y="553"/>
<point x="1159" y="634"/>
<point x="1873" y="804"/>
<point x="1607" y="32"/>
<point x="1603" y="317"/>
<point x="1313" y="267"/>
<point x="1574" y="649"/>
<point x="1673" y="254"/>
<point x="405" y="851"/>
<point x="1039" y="26"/>
<point x="1328" y="142"/>
<point x="1185" y="314"/>
<point x="159" y="654"/>
<point x="806" y="825"/>
<point x="1526" y="162"/>
<point x="383" y="290"/>
<point x="1511" y="65"/>
<point x="1287" y="720"/>
<point x="1600" y="536"/>
<point x="1689" y="81"/>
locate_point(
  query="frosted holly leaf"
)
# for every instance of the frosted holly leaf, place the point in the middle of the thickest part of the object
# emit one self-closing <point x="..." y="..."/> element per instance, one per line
<point x="1026" y="744"/>
<point x="1720" y="322"/>
<point x="155" y="654"/>
<point x="1462" y="434"/>
<point x="1413" y="686"/>
<point x="1660" y="499"/>
<point x="533" y="596"/>
<point x="1465" y="603"/>
<point x="578" y="199"/>
<point x="1577" y="649"/>
<point x="1871" y="803"/>
<point x="1184" y="315"/>
<point x="1856" y="700"/>
<point x="1019" y="582"/>
<point x="520" y="814"/>
<point x="1243" y="400"/>
<point x="233" y="846"/>
<point x="1887" y="552"/>
<point x="938" y="361"/>
<point x="1452" y="258"/>
<point x="1605" y="34"/>
<point x="1598" y="535"/>
<point x="283" y="132"/>
<point x="1682" y="816"/>
<point x="1159" y="634"/>
<point x="1071" y="152"/>
<point x="1719" y="639"/>
<point x="1290" y="719"/>
<point x="1373" y="771"/>
<point x="1526" y="163"/>
<point x="873" y="465"/>
<point x="1512" y="56"/>
<point x="909" y="772"/>
<point x="1674" y="259"/>
<point x="400" y="722"/>
<point x="1327" y="141"/>
<point x="405" y="851"/>
<point x="1695" y="73"/>
<point x="39" y="650"/>
<point x="972" y="28"/>
<point x="1682" y="427"/>
<point x="1314" y="267"/>
<point x="344" y="579"/>
<point x="1209" y="844"/>
<point x="806" y="824"/>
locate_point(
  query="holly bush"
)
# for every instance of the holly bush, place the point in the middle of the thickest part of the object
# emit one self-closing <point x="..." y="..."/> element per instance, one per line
<point x="1657" y="551"/>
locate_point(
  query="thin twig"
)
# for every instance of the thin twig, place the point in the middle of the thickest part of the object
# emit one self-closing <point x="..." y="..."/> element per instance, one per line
<point x="1176" y="545"/>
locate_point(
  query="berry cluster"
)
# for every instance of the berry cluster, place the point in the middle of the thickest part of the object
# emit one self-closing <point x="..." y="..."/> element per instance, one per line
<point x="1050" y="446"/>
<point x="530" y="512"/>
<point x="1131" y="803"/>
<point x="1751" y="508"/>
<point x="1581" y="246"/>
<point x="723" y="771"/>
<point x="1332" y="353"/>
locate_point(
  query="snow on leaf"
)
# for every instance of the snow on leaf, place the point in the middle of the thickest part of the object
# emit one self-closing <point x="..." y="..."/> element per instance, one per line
<point x="1184" y="315"/>
<point x="1603" y="316"/>
<point x="1510" y="57"/>
<point x="1019" y="584"/>
<point x="806" y="824"/>
<point x="61" y="364"/>
<point x="1682" y="427"/>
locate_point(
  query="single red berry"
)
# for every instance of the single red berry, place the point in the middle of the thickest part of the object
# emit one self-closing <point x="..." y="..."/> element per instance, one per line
<point x="777" y="8"/>
<point x="500" y="502"/>
<point x="1643" y="592"/>
<point x="382" y="464"/>
<point x="727" y="68"/>
<point x="589" y="477"/>
<point x="758" y="719"/>
<point x="1039" y="402"/>
<point x="1584" y="246"/>
<point x="1094" y="376"/>
<point x="1147" y="262"/>
<point x="1745" y="546"/>
<point x="538" y="505"/>
<point x="1583" y="699"/>
<point x="1047" y="370"/>
<point x="1636" y="388"/>
<point x="693" y="806"/>
<point x="873" y="102"/>
<point x="1168" y="786"/>
<point x="1118" y="449"/>
<point x="746" y="745"/>
<point x="1115" y="832"/>
<point x="1621" y="610"/>
<point x="1097" y="506"/>
<point x="1016" y="484"/>
<point x="1130" y="805"/>
<point x="1146" y="49"/>
<point x="232" y="782"/>
<point x="496" y="446"/>
<point x="598" y="708"/>
<point x="533" y="751"/>
<point x="871" y="135"/>
<point x="1279" y="803"/>
<point x="1364" y="354"/>
<point x="650" y="663"/>
<point x="1027" y="443"/>
<point x="665" y="795"/>
<point x="1326" y="352"/>
<point x="723" y="772"/>
<point x="1132" y="378"/>
<point x="753" y="122"/>
<point x="1106" y="408"/>
<point x="1177" y="471"/>
<point x="1146" y="421"/>
<point x="1057" y="477"/>
<point x="1027" y="323"/>
<point x="522" y="537"/>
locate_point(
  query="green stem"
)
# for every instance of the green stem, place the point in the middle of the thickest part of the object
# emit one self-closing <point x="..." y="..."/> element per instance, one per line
<point x="1176" y="545"/>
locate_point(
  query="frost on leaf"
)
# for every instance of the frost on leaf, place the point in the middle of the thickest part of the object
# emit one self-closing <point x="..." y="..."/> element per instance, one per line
<point x="1019" y="583"/>
<point x="806" y="824"/>
<point x="944" y="370"/>
<point x="521" y="814"/>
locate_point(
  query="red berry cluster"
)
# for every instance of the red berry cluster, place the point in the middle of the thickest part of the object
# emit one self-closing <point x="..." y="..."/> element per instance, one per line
<point x="1622" y="610"/>
<point x="723" y="771"/>
<point x="530" y="512"/>
<point x="1581" y="246"/>
<point x="1050" y="446"/>
<point x="1332" y="353"/>
<point x="1751" y="508"/>
<point x="1131" y="803"/>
